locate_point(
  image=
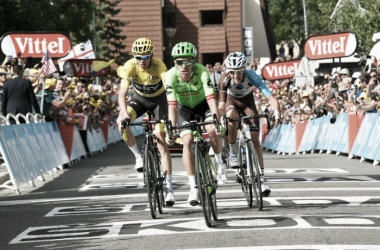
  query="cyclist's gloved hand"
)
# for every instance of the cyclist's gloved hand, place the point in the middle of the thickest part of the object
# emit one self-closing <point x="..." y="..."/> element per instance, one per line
<point x="170" y="141"/>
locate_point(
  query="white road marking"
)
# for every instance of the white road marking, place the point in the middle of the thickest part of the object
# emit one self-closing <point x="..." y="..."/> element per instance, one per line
<point x="124" y="196"/>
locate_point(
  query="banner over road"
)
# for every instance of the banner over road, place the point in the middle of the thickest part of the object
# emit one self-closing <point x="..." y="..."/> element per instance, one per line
<point x="330" y="46"/>
<point x="34" y="44"/>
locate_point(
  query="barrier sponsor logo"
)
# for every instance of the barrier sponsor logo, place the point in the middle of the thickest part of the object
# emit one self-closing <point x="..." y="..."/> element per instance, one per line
<point x="280" y="70"/>
<point x="330" y="46"/>
<point x="34" y="44"/>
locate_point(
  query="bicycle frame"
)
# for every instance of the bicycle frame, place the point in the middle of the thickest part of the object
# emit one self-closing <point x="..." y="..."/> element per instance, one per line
<point x="152" y="174"/>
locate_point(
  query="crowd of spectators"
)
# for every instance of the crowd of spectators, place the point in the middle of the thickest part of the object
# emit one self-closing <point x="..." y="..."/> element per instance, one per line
<point x="339" y="91"/>
<point x="68" y="98"/>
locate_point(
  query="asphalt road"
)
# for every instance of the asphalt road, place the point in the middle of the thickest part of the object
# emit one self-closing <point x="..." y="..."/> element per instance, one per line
<point x="318" y="201"/>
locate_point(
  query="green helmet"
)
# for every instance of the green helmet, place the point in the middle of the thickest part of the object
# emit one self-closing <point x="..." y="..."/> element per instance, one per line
<point x="184" y="49"/>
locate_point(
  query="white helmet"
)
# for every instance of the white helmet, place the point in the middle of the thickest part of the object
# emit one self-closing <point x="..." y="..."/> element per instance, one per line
<point x="235" y="60"/>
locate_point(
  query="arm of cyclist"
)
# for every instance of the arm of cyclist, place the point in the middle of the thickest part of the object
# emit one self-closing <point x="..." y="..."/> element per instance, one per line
<point x="170" y="85"/>
<point x="211" y="100"/>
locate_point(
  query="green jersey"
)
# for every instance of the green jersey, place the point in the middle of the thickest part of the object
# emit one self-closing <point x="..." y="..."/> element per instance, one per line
<point x="192" y="93"/>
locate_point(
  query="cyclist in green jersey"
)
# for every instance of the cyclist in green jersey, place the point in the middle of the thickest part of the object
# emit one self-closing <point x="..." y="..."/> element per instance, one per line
<point x="190" y="92"/>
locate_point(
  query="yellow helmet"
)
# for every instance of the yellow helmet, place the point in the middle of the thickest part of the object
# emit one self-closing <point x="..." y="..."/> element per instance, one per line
<point x="142" y="46"/>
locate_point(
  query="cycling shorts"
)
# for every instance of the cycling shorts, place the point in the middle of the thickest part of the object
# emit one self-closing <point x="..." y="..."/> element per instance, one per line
<point x="245" y="104"/>
<point x="138" y="105"/>
<point x="186" y="114"/>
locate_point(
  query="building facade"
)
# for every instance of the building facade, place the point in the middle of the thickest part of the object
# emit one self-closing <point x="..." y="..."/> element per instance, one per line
<point x="215" y="27"/>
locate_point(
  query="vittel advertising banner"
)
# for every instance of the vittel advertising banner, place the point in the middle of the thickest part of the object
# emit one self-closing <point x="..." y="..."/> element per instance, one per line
<point x="83" y="67"/>
<point x="34" y="44"/>
<point x="280" y="70"/>
<point x="330" y="46"/>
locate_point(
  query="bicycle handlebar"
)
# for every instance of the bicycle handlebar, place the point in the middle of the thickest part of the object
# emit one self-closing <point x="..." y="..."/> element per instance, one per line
<point x="192" y="124"/>
<point x="244" y="118"/>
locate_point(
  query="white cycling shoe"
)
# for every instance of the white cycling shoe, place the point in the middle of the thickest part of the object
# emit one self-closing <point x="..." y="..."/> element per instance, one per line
<point x="265" y="190"/>
<point x="233" y="161"/>
<point x="170" y="199"/>
<point x="193" y="197"/>
<point x="139" y="164"/>
<point x="222" y="175"/>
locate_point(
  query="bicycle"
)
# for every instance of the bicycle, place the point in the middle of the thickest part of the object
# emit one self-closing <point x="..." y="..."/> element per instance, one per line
<point x="205" y="173"/>
<point x="152" y="175"/>
<point x="250" y="170"/>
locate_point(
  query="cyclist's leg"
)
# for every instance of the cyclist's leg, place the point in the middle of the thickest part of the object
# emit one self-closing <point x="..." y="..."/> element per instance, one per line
<point x="186" y="114"/>
<point x="160" y="111"/>
<point x="231" y="111"/>
<point x="216" y="144"/>
<point x="135" y="108"/>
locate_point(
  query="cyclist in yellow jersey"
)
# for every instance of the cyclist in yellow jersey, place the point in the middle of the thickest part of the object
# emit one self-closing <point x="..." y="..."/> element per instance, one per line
<point x="145" y="74"/>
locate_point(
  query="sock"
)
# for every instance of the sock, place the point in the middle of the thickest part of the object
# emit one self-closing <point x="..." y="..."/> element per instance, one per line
<point x="218" y="158"/>
<point x="136" y="151"/>
<point x="233" y="148"/>
<point x="169" y="186"/>
<point x="192" y="180"/>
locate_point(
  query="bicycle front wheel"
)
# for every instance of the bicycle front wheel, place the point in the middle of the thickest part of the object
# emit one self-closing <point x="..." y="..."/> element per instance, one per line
<point x="159" y="183"/>
<point x="246" y="187"/>
<point x="201" y="175"/>
<point x="255" y="174"/>
<point x="212" y="183"/>
<point x="150" y="180"/>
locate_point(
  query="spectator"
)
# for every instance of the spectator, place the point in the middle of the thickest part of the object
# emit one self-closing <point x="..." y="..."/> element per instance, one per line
<point x="373" y="85"/>
<point x="291" y="49"/>
<point x="344" y="73"/>
<point x="281" y="51"/>
<point x="18" y="96"/>
<point x="3" y="78"/>
<point x="209" y="67"/>
<point x="215" y="79"/>
<point x="50" y="103"/>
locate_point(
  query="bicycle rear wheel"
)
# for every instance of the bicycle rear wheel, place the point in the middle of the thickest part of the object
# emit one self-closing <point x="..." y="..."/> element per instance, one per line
<point x="255" y="174"/>
<point x="150" y="180"/>
<point x="246" y="187"/>
<point x="212" y="186"/>
<point x="201" y="173"/>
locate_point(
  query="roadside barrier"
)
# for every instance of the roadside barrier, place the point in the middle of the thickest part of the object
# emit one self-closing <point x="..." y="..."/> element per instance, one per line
<point x="350" y="135"/>
<point x="36" y="147"/>
<point x="30" y="150"/>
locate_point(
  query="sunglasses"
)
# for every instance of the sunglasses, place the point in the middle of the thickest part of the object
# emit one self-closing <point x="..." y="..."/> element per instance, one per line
<point x="185" y="62"/>
<point x="373" y="76"/>
<point x="233" y="72"/>
<point x="139" y="58"/>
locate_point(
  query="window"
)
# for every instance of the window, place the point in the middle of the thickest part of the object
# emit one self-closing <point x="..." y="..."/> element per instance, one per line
<point x="212" y="17"/>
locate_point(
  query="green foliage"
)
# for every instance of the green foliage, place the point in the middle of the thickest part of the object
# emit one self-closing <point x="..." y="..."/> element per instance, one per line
<point x="108" y="33"/>
<point x="360" y="17"/>
<point x="68" y="16"/>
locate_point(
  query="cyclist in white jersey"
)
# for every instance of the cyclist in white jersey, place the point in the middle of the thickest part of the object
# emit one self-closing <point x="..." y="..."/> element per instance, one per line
<point x="236" y="94"/>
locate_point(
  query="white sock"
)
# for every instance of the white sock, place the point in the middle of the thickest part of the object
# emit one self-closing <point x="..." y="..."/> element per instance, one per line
<point x="218" y="158"/>
<point x="136" y="151"/>
<point x="191" y="180"/>
<point x="234" y="147"/>
<point x="169" y="186"/>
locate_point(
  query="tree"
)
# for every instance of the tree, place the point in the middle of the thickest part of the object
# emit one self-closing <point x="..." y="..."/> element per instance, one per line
<point x="110" y="41"/>
<point x="360" y="17"/>
<point x="67" y="16"/>
<point x="287" y="19"/>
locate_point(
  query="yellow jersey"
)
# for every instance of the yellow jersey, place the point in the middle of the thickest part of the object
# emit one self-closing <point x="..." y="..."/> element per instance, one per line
<point x="147" y="83"/>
